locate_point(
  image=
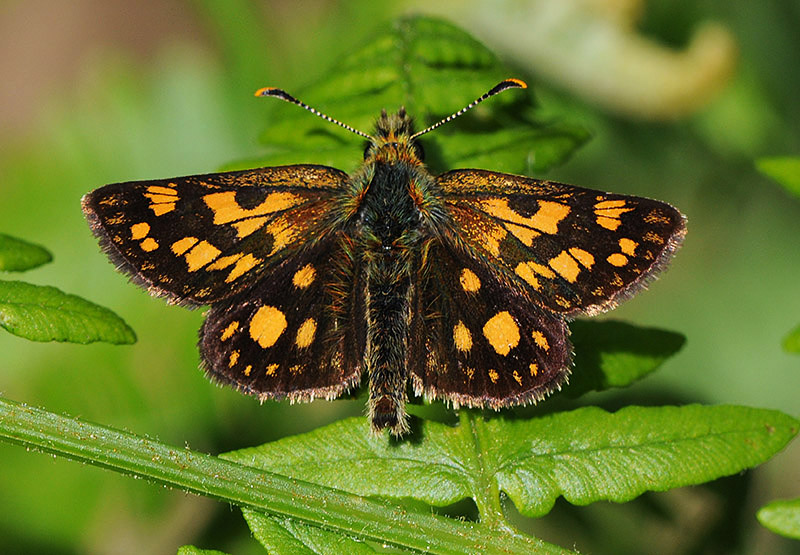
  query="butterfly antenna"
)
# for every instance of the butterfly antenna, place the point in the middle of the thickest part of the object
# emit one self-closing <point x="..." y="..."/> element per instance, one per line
<point x="283" y="95"/>
<point x="498" y="88"/>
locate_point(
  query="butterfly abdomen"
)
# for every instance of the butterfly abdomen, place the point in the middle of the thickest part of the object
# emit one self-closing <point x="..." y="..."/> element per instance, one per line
<point x="387" y="344"/>
<point x="389" y="231"/>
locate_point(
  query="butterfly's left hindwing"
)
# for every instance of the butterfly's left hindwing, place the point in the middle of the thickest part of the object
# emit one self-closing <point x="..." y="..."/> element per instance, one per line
<point x="199" y="239"/>
<point x="476" y="341"/>
<point x="299" y="333"/>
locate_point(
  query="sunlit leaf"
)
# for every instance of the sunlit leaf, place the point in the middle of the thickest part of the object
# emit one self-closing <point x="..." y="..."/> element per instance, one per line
<point x="586" y="455"/>
<point x="47" y="314"/>
<point x="293" y="501"/>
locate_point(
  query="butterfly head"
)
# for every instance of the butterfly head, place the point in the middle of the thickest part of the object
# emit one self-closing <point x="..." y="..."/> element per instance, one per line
<point x="393" y="140"/>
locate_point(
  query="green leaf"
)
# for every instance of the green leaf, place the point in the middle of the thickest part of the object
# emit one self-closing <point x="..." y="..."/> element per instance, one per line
<point x="433" y="69"/>
<point x="791" y="343"/>
<point x="285" y="536"/>
<point x="586" y="455"/>
<point x="590" y="455"/>
<point x="192" y="550"/>
<point x="17" y="255"/>
<point x="782" y="517"/>
<point x="785" y="170"/>
<point x="47" y="314"/>
<point x="241" y="484"/>
<point x="615" y="354"/>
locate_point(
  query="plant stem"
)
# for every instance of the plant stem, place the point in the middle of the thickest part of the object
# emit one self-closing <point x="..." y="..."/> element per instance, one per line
<point x="249" y="487"/>
<point x="487" y="493"/>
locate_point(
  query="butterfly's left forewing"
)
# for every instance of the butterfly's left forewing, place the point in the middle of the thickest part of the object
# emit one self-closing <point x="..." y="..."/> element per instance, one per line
<point x="572" y="250"/>
<point x="199" y="239"/>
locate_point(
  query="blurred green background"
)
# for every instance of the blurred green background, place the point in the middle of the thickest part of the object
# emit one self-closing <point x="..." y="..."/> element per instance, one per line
<point x="96" y="92"/>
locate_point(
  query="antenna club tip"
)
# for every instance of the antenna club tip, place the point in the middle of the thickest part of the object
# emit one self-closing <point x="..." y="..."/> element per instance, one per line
<point x="265" y="91"/>
<point x="517" y="83"/>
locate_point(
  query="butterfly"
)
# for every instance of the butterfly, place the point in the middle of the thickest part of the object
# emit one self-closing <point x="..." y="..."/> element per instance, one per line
<point x="458" y="285"/>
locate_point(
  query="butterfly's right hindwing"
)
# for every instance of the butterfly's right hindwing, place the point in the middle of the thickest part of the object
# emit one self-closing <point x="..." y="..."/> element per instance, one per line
<point x="199" y="239"/>
<point x="297" y="334"/>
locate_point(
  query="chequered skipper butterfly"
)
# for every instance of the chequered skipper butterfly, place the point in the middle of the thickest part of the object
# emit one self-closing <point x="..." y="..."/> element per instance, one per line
<point x="460" y="283"/>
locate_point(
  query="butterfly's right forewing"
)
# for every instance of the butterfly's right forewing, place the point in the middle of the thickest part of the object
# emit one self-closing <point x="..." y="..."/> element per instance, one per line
<point x="202" y="238"/>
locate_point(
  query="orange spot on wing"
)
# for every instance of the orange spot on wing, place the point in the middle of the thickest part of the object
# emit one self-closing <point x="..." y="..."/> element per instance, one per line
<point x="502" y="332"/>
<point x="243" y="265"/>
<point x="540" y="340"/>
<point x="628" y="246"/>
<point x="585" y="258"/>
<point x="469" y="281"/>
<point x="200" y="255"/>
<point x="617" y="259"/>
<point x="609" y="204"/>
<point x="149" y="244"/>
<point x="246" y="227"/>
<point x="182" y="245"/>
<point x="565" y="266"/>
<point x="656" y="217"/>
<point x="283" y="232"/>
<point x="462" y="337"/>
<point x="162" y="199"/>
<point x="546" y="219"/>
<point x="227" y="211"/>
<point x="304" y="276"/>
<point x="608" y="223"/>
<point x="653" y="237"/>
<point x="524" y="271"/>
<point x="524" y="234"/>
<point x="223" y="262"/>
<point x="267" y="325"/>
<point x="228" y="332"/>
<point x="161" y="209"/>
<point x="158" y="190"/>
<point x="140" y="230"/>
<point x="306" y="333"/>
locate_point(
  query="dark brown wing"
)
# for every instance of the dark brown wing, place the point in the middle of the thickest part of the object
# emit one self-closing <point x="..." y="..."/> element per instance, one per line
<point x="199" y="239"/>
<point x="478" y="341"/>
<point x="573" y="250"/>
<point x="298" y="333"/>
